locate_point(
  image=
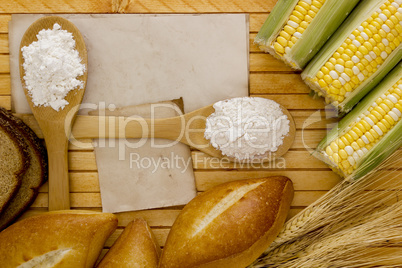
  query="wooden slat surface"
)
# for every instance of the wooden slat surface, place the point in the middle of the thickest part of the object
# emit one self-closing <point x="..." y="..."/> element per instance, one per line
<point x="269" y="78"/>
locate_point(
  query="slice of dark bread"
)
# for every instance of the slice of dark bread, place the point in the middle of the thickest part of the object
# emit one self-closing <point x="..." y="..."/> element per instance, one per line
<point x="34" y="176"/>
<point x="14" y="161"/>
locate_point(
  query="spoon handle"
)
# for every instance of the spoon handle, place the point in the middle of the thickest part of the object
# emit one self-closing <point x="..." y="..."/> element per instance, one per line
<point x="59" y="190"/>
<point x="125" y="127"/>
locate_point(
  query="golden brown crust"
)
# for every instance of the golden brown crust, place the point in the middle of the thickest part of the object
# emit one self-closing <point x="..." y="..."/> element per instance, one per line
<point x="135" y="247"/>
<point x="229" y="225"/>
<point x="79" y="235"/>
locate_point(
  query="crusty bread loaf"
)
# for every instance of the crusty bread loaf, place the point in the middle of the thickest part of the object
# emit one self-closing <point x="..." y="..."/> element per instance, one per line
<point x="56" y="239"/>
<point x="136" y="247"/>
<point x="35" y="175"/>
<point x="230" y="225"/>
<point x="14" y="161"/>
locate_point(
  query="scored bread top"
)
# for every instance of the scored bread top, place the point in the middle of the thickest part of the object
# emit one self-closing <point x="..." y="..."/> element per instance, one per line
<point x="226" y="221"/>
<point x="35" y="175"/>
<point x="14" y="161"/>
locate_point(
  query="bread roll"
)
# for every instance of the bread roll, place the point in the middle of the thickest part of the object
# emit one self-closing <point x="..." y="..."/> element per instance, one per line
<point x="230" y="225"/>
<point x="136" y="247"/>
<point x="56" y="239"/>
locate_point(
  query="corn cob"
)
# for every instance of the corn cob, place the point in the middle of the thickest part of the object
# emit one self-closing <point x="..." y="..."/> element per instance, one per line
<point x="296" y="29"/>
<point x="369" y="133"/>
<point x="361" y="52"/>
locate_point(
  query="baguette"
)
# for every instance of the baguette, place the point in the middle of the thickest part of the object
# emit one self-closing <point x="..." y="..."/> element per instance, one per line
<point x="56" y="239"/>
<point x="136" y="247"/>
<point x="230" y="225"/>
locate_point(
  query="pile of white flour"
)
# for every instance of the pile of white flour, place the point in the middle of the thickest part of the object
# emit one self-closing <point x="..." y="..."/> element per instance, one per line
<point x="246" y="128"/>
<point x="52" y="65"/>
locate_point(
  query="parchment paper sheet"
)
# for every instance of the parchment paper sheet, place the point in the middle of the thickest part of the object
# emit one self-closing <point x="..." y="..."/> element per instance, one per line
<point x="146" y="177"/>
<point x="136" y="59"/>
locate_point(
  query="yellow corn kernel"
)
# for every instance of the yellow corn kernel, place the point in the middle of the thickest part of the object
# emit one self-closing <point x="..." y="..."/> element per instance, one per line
<point x="373" y="117"/>
<point x="290" y="44"/>
<point x="398" y="91"/>
<point x="324" y="70"/>
<point x="300" y="30"/>
<point x="295" y="19"/>
<point x="279" y="48"/>
<point x="357" y="131"/>
<point x="355" y="146"/>
<point x="329" y="151"/>
<point x="301" y="10"/>
<point x="374" y="133"/>
<point x="345" y="141"/>
<point x="334" y="147"/>
<point x="289" y="30"/>
<point x="285" y="35"/>
<point x="336" y="158"/>
<point x="348" y="71"/>
<point x="382" y="127"/>
<point x="353" y="135"/>
<point x="320" y="75"/>
<point x="355" y="80"/>
<point x="380" y="110"/>
<point x="340" y="143"/>
<point x="304" y="5"/>
<point x="343" y="154"/>
<point x="359" y="125"/>
<point x="366" y="126"/>
<point x="282" y="41"/>
<point x="328" y="79"/>
<point x="376" y="114"/>
<point x="398" y="106"/>
<point x="385" y="123"/>
<point x="349" y="138"/>
<point x="337" y="84"/>
<point x="329" y="65"/>
<point x="389" y="119"/>
<point x="322" y="83"/>
<point x="347" y="87"/>
<point x="304" y="24"/>
<point x="385" y="107"/>
<point x="369" y="136"/>
<point x="345" y="164"/>
<point x="349" y="52"/>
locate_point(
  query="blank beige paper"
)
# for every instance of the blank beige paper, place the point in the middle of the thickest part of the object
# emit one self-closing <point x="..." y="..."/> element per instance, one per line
<point x="137" y="59"/>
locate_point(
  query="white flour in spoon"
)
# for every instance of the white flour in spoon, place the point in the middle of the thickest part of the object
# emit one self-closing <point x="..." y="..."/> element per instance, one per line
<point x="52" y="65"/>
<point x="246" y="128"/>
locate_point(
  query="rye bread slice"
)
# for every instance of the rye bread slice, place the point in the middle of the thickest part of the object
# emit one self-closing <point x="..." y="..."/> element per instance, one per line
<point x="34" y="176"/>
<point x="14" y="161"/>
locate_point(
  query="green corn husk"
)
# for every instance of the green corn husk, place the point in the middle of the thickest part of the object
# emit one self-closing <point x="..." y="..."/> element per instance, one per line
<point x="386" y="146"/>
<point x="359" y="14"/>
<point x="324" y="24"/>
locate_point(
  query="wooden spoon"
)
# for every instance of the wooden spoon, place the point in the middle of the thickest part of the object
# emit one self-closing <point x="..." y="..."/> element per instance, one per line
<point x="188" y="129"/>
<point x="56" y="125"/>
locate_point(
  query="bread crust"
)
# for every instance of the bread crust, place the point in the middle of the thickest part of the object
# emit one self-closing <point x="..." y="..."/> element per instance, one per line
<point x="78" y="235"/>
<point x="246" y="217"/>
<point x="29" y="187"/>
<point x="19" y="142"/>
<point x="135" y="247"/>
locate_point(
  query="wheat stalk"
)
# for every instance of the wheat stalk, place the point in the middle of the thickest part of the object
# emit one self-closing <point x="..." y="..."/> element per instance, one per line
<point x="355" y="247"/>
<point x="340" y="208"/>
